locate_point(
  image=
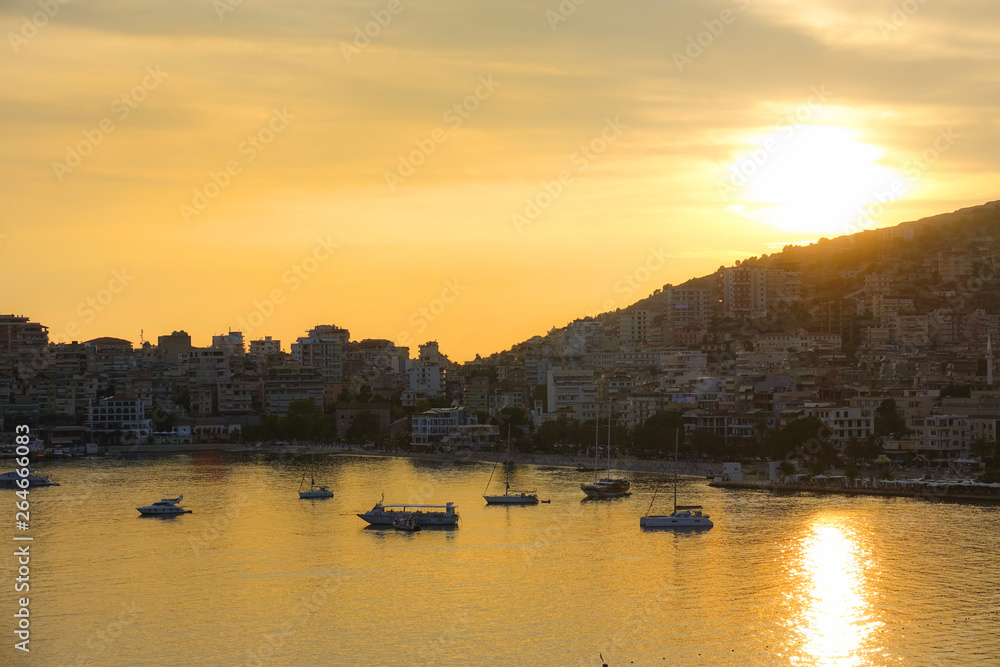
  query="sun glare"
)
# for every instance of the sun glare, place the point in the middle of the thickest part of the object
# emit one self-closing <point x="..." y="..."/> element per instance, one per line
<point x="810" y="178"/>
<point x="836" y="620"/>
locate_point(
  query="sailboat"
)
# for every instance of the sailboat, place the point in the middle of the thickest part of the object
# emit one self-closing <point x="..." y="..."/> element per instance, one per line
<point x="314" y="491"/>
<point x="683" y="516"/>
<point x="609" y="486"/>
<point x="509" y="498"/>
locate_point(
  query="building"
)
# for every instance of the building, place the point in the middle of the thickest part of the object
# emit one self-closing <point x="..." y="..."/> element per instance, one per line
<point x="689" y="306"/>
<point x="264" y="347"/>
<point x="231" y="342"/>
<point x="451" y="428"/>
<point x="119" y="420"/>
<point x="844" y="422"/>
<point x="744" y="292"/>
<point x="238" y="395"/>
<point x="285" y="384"/>
<point x="476" y="394"/>
<point x="323" y="349"/>
<point x="171" y="347"/>
<point x="635" y="326"/>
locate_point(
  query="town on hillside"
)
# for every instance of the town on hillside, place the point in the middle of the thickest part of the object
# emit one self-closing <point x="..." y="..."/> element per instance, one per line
<point x="876" y="346"/>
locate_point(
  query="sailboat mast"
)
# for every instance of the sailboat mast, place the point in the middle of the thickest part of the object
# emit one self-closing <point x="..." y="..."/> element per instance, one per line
<point x="507" y="466"/>
<point x="609" y="440"/>
<point x="597" y="439"/>
<point x="676" y="431"/>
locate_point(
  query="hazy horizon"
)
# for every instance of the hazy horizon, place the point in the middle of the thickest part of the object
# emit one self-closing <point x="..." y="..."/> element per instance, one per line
<point x="205" y="161"/>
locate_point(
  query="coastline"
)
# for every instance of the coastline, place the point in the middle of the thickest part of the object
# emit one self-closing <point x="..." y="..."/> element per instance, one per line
<point x="946" y="492"/>
<point x="696" y="468"/>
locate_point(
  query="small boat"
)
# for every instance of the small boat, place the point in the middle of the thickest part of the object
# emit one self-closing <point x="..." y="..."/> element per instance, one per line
<point x="406" y="523"/>
<point x="583" y="468"/>
<point x="313" y="491"/>
<point x="165" y="507"/>
<point x="683" y="516"/>
<point x="384" y="514"/>
<point x="11" y="479"/>
<point x="610" y="486"/>
<point x="508" y="498"/>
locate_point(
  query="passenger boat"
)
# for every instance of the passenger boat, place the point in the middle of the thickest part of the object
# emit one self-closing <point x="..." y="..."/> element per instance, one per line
<point x="165" y="507"/>
<point x="384" y="514"/>
<point x="609" y="486"/>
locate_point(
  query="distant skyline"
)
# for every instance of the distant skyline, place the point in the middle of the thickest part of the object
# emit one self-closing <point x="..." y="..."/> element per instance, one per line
<point x="468" y="173"/>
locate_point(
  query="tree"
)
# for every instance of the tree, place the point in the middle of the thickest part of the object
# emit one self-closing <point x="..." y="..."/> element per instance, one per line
<point x="801" y="438"/>
<point x="656" y="434"/>
<point x="707" y="443"/>
<point x="364" y="427"/>
<point x="888" y="419"/>
<point x="983" y="448"/>
<point x="787" y="468"/>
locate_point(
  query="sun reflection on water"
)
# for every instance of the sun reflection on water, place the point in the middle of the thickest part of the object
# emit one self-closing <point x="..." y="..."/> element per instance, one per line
<point x="835" y="623"/>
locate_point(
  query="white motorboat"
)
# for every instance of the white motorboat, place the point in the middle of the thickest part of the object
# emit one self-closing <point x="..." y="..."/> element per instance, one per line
<point x="313" y="491"/>
<point x="165" y="507"/>
<point x="508" y="497"/>
<point x="609" y="486"/>
<point x="683" y="516"/>
<point x="11" y="479"/>
<point x="384" y="514"/>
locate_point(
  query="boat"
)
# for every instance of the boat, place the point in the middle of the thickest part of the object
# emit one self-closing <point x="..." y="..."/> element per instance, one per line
<point x="583" y="468"/>
<point x="384" y="514"/>
<point x="683" y="516"/>
<point x="406" y="523"/>
<point x="509" y="498"/>
<point x="609" y="486"/>
<point x="165" y="507"/>
<point x="313" y="491"/>
<point x="11" y="479"/>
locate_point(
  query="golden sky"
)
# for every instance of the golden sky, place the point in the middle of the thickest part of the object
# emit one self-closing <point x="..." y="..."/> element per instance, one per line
<point x="470" y="172"/>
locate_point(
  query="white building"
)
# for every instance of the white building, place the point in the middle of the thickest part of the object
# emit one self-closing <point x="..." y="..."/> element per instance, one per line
<point x="323" y="349"/>
<point x="451" y="427"/>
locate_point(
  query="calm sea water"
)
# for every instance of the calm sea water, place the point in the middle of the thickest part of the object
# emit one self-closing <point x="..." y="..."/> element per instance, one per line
<point x="256" y="576"/>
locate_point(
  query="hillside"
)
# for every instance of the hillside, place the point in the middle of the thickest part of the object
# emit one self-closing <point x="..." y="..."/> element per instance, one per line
<point x="915" y="254"/>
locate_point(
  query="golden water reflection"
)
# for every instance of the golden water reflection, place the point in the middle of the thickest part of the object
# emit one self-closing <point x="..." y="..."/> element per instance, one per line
<point x="834" y="591"/>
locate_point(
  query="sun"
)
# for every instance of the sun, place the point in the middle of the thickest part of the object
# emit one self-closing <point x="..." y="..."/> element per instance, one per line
<point x="811" y="178"/>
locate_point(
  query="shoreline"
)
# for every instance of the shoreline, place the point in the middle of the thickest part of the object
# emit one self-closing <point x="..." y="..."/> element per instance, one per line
<point x="695" y="468"/>
<point x="953" y="492"/>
